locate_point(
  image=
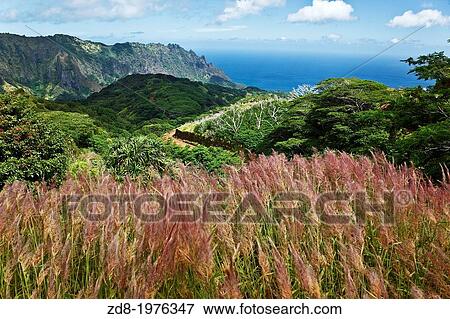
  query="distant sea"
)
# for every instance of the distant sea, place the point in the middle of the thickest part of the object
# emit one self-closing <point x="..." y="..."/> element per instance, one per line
<point x="284" y="71"/>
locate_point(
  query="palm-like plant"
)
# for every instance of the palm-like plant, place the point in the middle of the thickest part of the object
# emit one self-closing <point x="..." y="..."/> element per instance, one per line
<point x="135" y="155"/>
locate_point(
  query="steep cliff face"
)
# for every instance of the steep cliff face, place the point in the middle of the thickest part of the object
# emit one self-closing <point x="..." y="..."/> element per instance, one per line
<point x="64" y="67"/>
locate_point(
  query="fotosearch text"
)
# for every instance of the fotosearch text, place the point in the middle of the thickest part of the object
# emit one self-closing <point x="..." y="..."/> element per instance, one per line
<point x="335" y="208"/>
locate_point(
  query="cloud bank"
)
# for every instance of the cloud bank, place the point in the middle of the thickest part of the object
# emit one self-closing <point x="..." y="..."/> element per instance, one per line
<point x="78" y="10"/>
<point x="333" y="37"/>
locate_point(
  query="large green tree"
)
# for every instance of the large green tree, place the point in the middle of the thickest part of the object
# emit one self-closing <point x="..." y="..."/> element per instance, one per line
<point x="344" y="114"/>
<point x="428" y="148"/>
<point x="30" y="150"/>
<point x="360" y="117"/>
<point x="434" y="66"/>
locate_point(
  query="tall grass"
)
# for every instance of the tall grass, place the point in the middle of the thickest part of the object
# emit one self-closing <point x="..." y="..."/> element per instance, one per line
<point x="48" y="252"/>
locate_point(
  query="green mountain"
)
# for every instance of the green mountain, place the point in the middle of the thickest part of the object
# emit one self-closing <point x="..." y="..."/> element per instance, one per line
<point x="138" y="99"/>
<point x="63" y="67"/>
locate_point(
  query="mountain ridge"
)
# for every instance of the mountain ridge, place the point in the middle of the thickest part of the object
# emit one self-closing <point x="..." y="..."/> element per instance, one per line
<point x="64" y="67"/>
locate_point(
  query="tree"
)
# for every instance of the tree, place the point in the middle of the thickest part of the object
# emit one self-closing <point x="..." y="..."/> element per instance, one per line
<point x="428" y="148"/>
<point x="30" y="150"/>
<point x="212" y="159"/>
<point x="79" y="127"/>
<point x="232" y="120"/>
<point x="275" y="109"/>
<point x="258" y="113"/>
<point x="302" y="90"/>
<point x="434" y="66"/>
<point x="343" y="114"/>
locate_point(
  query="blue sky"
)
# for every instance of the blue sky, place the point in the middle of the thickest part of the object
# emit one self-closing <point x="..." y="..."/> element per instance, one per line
<point x="296" y="25"/>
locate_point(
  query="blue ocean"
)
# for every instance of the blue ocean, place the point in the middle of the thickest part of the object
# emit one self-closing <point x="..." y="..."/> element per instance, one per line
<point x="284" y="71"/>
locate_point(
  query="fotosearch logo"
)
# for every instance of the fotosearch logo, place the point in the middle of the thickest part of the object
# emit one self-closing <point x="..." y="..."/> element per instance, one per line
<point x="334" y="208"/>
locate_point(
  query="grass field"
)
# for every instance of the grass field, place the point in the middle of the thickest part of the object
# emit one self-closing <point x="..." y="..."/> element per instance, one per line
<point x="50" y="251"/>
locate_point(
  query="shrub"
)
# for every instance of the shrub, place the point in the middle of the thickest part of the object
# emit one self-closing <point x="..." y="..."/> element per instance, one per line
<point x="87" y="163"/>
<point x="135" y="156"/>
<point x="157" y="128"/>
<point x="212" y="159"/>
<point x="30" y="150"/>
<point x="79" y="127"/>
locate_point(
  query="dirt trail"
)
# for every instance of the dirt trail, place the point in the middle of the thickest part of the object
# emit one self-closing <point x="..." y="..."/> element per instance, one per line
<point x="170" y="136"/>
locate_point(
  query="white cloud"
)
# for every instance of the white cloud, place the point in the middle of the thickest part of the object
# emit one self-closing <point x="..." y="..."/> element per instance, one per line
<point x="242" y="8"/>
<point x="427" y="18"/>
<point x="221" y="29"/>
<point x="323" y="10"/>
<point x="333" y="37"/>
<point x="395" y="40"/>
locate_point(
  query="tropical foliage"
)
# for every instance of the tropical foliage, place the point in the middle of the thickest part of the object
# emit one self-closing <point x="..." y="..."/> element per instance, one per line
<point x="30" y="150"/>
<point x="78" y="127"/>
<point x="247" y="123"/>
<point x="434" y="66"/>
<point x="212" y="159"/>
<point x="137" y="100"/>
<point x="136" y="156"/>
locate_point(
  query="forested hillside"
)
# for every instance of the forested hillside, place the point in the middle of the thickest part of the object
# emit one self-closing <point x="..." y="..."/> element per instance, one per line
<point x="139" y="100"/>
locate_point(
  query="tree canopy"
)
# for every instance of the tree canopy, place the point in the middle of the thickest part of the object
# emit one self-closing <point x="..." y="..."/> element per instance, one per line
<point x="30" y="150"/>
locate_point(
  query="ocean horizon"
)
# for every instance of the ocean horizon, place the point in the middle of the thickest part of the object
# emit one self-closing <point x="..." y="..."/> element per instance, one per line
<point x="283" y="71"/>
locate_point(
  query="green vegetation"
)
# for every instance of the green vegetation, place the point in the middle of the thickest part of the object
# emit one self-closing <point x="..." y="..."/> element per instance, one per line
<point x="138" y="101"/>
<point x="247" y="123"/>
<point x="350" y="115"/>
<point x="147" y="156"/>
<point x="212" y="159"/>
<point x="434" y="66"/>
<point x="343" y="114"/>
<point x="361" y="117"/>
<point x="30" y="150"/>
<point x="137" y="156"/>
<point x="79" y="127"/>
<point x="428" y="148"/>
